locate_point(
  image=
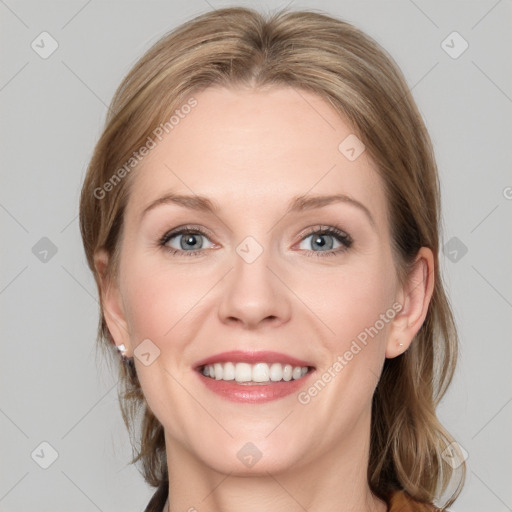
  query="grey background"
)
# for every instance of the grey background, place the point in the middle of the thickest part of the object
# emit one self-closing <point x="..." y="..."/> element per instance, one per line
<point x="52" y="112"/>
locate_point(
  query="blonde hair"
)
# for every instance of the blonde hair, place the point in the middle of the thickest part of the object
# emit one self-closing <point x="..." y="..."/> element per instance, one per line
<point x="314" y="52"/>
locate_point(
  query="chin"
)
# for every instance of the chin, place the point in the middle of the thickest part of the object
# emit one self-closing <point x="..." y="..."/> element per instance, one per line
<point x="253" y="455"/>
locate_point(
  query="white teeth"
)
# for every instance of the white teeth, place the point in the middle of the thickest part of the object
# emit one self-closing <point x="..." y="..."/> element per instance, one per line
<point x="218" y="371"/>
<point x="287" y="372"/>
<point x="229" y="372"/>
<point x="243" y="372"/>
<point x="276" y="372"/>
<point x="297" y="372"/>
<point x="259" y="372"/>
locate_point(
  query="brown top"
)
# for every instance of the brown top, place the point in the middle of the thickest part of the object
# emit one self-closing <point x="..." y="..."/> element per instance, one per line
<point x="398" y="501"/>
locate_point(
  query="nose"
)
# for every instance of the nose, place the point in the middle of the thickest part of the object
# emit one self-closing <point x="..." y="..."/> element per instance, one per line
<point x="254" y="295"/>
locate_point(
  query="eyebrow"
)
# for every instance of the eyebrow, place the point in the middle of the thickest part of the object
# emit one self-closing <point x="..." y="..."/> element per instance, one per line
<point x="297" y="204"/>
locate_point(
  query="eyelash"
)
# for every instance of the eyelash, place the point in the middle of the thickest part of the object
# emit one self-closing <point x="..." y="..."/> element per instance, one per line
<point x="339" y="235"/>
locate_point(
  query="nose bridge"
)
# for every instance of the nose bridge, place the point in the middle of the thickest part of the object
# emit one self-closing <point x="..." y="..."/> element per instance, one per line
<point x="252" y="292"/>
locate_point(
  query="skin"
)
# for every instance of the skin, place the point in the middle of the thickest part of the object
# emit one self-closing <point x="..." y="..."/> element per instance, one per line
<point x="251" y="152"/>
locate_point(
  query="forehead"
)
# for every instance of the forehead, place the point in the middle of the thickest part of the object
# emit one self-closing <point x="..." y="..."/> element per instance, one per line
<point x="256" y="148"/>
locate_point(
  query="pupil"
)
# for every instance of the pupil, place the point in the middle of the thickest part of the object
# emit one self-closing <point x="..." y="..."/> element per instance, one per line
<point x="321" y="243"/>
<point x="190" y="240"/>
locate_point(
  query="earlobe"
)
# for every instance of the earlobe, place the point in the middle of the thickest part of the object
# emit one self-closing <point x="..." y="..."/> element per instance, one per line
<point x="112" y="305"/>
<point x="415" y="298"/>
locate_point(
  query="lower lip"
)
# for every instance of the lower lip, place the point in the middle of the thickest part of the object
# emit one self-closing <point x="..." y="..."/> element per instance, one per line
<point x="257" y="393"/>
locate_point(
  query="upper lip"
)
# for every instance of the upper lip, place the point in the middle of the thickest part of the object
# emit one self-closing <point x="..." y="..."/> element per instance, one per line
<point x="252" y="357"/>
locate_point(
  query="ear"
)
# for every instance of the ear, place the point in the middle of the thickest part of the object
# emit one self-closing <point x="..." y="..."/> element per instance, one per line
<point x="414" y="297"/>
<point x="113" y="309"/>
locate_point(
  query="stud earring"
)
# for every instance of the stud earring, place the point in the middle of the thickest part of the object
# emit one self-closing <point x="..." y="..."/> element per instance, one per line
<point x="121" y="349"/>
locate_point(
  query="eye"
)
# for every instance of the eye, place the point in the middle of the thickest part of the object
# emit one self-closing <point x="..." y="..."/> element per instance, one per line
<point x="186" y="240"/>
<point x="326" y="241"/>
<point x="190" y="241"/>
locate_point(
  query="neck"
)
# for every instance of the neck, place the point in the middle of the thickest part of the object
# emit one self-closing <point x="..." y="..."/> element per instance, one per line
<point x="337" y="482"/>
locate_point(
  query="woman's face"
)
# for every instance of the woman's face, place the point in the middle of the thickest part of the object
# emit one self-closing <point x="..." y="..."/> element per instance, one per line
<point x="260" y="276"/>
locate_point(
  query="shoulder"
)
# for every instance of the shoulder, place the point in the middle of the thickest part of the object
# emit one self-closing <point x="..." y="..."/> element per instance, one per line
<point x="399" y="501"/>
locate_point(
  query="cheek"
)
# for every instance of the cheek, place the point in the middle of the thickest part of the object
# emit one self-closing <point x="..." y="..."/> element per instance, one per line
<point x="352" y="300"/>
<point x="357" y="305"/>
<point x="157" y="301"/>
<point x="163" y="306"/>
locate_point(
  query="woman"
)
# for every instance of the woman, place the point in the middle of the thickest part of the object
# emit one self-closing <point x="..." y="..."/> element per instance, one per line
<point x="261" y="216"/>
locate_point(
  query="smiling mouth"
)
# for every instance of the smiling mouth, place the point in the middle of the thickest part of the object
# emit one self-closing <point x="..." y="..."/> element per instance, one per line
<point x="254" y="374"/>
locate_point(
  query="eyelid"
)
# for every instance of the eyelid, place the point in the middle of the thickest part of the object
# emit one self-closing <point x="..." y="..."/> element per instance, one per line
<point x="324" y="228"/>
<point x="180" y="230"/>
